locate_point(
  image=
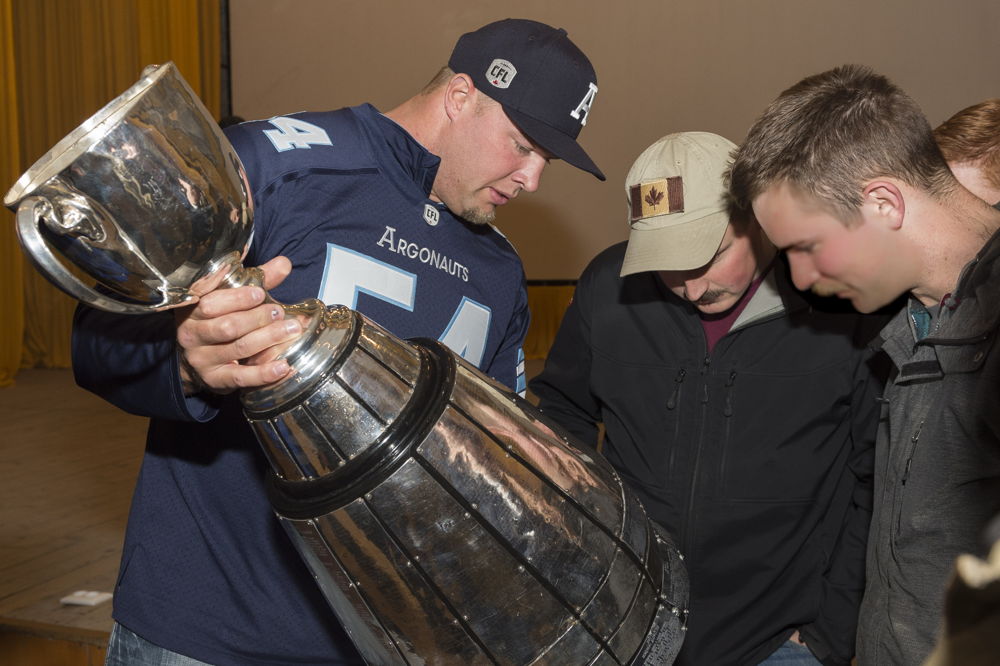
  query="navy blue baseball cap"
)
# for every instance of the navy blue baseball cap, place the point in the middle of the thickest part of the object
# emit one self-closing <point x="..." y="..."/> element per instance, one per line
<point x="545" y="84"/>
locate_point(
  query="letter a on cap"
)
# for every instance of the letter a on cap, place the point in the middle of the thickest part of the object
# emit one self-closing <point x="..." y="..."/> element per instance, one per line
<point x="583" y="108"/>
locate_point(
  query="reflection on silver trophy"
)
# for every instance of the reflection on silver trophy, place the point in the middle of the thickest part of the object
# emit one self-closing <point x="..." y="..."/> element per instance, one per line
<point x="445" y="520"/>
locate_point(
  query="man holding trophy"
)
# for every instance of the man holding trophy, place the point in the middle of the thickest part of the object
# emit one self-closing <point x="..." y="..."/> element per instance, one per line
<point x="386" y="213"/>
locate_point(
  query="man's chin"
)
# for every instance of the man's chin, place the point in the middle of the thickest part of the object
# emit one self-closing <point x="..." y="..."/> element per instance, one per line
<point x="479" y="216"/>
<point x="719" y="307"/>
<point x="866" y="305"/>
<point x="827" y="290"/>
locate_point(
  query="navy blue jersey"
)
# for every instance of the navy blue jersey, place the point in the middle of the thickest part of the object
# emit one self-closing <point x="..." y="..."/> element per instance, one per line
<point x="206" y="569"/>
<point x="344" y="195"/>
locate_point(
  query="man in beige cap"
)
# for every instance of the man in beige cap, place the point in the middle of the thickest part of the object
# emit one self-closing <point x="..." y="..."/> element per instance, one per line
<point x="742" y="412"/>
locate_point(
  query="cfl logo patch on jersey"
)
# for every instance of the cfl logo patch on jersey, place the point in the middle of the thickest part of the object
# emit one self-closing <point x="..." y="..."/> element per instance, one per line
<point x="583" y="108"/>
<point x="431" y="215"/>
<point x="501" y="73"/>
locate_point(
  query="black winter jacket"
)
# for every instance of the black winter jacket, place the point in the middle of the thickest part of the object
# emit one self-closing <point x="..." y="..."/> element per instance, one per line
<point x="756" y="457"/>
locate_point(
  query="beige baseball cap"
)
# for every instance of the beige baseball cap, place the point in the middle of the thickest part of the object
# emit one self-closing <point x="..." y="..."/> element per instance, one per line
<point x="677" y="203"/>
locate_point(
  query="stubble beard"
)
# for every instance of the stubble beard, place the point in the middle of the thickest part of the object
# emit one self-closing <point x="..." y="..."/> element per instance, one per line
<point x="478" y="216"/>
<point x="826" y="289"/>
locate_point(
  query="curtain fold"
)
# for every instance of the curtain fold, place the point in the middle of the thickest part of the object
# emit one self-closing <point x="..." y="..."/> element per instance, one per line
<point x="11" y="260"/>
<point x="62" y="61"/>
<point x="547" y="303"/>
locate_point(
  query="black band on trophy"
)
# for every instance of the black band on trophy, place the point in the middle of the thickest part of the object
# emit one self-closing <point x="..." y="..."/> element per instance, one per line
<point x="302" y="500"/>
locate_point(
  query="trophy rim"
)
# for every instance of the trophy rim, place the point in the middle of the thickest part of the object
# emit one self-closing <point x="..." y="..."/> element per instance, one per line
<point x="84" y="137"/>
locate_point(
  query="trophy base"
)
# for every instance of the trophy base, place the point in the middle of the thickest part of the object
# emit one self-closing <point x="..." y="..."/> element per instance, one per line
<point x="445" y="520"/>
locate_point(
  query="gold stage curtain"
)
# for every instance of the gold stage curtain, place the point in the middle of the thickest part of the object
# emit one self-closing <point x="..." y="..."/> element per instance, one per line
<point x="547" y="304"/>
<point x="11" y="260"/>
<point x="62" y="61"/>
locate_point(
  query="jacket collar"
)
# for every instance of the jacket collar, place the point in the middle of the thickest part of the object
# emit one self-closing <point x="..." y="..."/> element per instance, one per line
<point x="776" y="295"/>
<point x="974" y="302"/>
<point x="966" y="332"/>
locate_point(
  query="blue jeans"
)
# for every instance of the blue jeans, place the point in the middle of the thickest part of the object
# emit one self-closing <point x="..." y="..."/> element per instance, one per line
<point x="126" y="648"/>
<point x="792" y="653"/>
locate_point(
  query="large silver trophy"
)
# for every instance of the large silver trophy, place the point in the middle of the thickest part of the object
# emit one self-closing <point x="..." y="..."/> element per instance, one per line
<point x="444" y="519"/>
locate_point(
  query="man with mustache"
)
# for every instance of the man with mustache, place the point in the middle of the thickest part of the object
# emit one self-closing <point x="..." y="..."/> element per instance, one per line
<point x="741" y="412"/>
<point x="843" y="173"/>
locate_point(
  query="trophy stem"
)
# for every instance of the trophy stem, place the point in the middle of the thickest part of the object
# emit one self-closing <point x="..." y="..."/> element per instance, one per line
<point x="308" y="355"/>
<point x="241" y="276"/>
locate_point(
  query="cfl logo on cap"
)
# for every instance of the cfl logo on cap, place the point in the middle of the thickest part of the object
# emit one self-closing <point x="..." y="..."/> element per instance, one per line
<point x="500" y="73"/>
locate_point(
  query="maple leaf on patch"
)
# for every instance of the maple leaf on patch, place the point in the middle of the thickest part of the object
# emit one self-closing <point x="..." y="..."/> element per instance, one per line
<point x="654" y="197"/>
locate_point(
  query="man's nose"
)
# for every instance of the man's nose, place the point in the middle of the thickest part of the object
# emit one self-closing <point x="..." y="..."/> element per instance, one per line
<point x="530" y="174"/>
<point x="695" y="288"/>
<point x="804" y="273"/>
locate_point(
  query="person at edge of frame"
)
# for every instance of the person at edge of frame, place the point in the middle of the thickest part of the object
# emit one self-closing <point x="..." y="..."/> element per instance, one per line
<point x="970" y="143"/>
<point x="970" y="636"/>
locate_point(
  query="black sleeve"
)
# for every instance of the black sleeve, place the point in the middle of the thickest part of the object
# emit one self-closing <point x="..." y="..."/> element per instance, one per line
<point x="563" y="387"/>
<point x="832" y="636"/>
<point x="131" y="361"/>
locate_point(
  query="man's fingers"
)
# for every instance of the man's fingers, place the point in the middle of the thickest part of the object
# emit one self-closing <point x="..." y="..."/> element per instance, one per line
<point x="259" y="339"/>
<point x="228" y="326"/>
<point x="235" y="375"/>
<point x="232" y="348"/>
<point x="275" y="271"/>
<point x="226" y="301"/>
<point x="222" y="330"/>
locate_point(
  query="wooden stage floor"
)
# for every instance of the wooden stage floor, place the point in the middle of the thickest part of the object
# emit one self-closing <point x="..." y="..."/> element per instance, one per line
<point x="68" y="464"/>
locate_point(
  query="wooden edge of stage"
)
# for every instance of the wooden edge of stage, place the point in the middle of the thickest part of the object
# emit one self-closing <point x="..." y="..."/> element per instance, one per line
<point x="32" y="643"/>
<point x="59" y="632"/>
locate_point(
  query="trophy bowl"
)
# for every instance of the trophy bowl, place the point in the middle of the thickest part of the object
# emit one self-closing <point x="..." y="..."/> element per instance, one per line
<point x="147" y="197"/>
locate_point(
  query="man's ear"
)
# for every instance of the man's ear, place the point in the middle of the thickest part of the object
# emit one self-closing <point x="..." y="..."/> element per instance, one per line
<point x="883" y="200"/>
<point x="459" y="93"/>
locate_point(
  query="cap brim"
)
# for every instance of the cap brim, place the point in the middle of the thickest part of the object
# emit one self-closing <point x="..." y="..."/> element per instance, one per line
<point x="559" y="144"/>
<point x="676" y="248"/>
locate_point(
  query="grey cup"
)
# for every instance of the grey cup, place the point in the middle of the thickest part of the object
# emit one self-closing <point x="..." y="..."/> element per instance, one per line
<point x="444" y="520"/>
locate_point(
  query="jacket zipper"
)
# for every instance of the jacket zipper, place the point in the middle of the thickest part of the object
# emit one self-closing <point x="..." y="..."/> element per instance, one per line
<point x="672" y="403"/>
<point x="675" y="395"/>
<point x="727" y="412"/>
<point x="904" y="477"/>
<point x="689" y="512"/>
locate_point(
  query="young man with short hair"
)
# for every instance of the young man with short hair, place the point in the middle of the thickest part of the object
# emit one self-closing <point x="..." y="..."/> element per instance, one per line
<point x="844" y="175"/>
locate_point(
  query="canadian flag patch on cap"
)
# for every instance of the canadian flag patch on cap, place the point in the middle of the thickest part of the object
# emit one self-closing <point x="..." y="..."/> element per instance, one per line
<point x="660" y="197"/>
